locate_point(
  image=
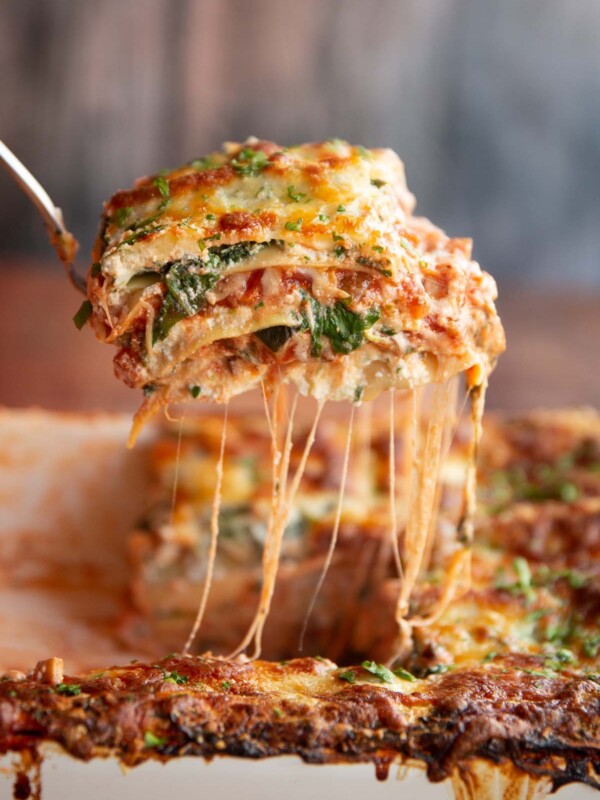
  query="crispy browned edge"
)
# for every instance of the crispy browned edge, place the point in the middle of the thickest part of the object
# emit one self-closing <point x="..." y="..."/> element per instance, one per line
<point x="544" y="726"/>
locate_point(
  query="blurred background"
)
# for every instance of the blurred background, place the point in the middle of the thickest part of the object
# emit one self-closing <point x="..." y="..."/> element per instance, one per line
<point x="492" y="106"/>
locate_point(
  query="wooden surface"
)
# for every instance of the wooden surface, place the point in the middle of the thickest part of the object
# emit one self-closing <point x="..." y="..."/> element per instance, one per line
<point x="552" y="357"/>
<point x="492" y="105"/>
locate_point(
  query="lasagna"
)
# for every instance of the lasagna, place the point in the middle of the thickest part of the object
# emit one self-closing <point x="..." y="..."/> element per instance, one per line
<point x="500" y="694"/>
<point x="261" y="265"/>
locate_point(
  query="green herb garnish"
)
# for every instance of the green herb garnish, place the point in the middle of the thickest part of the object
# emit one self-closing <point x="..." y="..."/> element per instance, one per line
<point x="96" y="269"/>
<point x="438" y="669"/>
<point x="249" y="162"/>
<point x="376" y="182"/>
<point x="163" y="186"/>
<point x="226" y="685"/>
<point x="143" y="231"/>
<point x="121" y="214"/>
<point x="293" y="226"/>
<point x="68" y="689"/>
<point x="523" y="583"/>
<point x="405" y="675"/>
<point x="152" y="740"/>
<point x="210" y="217"/>
<point x="341" y="209"/>
<point x="383" y="673"/>
<point x="349" y="676"/>
<point x="175" y="677"/>
<point x="297" y="197"/>
<point x="194" y="390"/>
<point x="202" y="164"/>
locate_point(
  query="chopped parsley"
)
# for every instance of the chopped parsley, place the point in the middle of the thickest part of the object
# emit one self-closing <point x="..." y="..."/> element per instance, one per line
<point x="405" y="675"/>
<point x="323" y="218"/>
<point x="176" y="677"/>
<point x="202" y="164"/>
<point x="194" y="390"/>
<point x="210" y="217"/>
<point x="226" y="685"/>
<point x="383" y="673"/>
<point x="293" y="226"/>
<point x="143" y="230"/>
<point x="68" y="689"/>
<point x="336" y="237"/>
<point x="523" y="583"/>
<point x="377" y="248"/>
<point x="96" y="269"/>
<point x="349" y="676"/>
<point x="83" y="314"/>
<point x="278" y="712"/>
<point x="340" y="251"/>
<point x="437" y="669"/>
<point x="152" y="740"/>
<point x="341" y="209"/>
<point x="214" y="238"/>
<point x="297" y="197"/>
<point x="163" y="186"/>
<point x="121" y="215"/>
<point x="358" y="393"/>
<point x="376" y="182"/>
<point x="249" y="162"/>
<point x="573" y="577"/>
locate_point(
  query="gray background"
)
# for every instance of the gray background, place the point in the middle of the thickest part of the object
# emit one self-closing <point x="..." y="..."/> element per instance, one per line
<point x="494" y="105"/>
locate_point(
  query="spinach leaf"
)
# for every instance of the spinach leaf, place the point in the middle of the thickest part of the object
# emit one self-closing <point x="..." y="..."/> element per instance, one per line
<point x="275" y="337"/>
<point x="227" y="254"/>
<point x="186" y="293"/>
<point x="344" y="328"/>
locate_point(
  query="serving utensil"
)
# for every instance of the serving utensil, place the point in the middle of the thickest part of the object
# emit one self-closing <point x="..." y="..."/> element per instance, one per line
<point x="63" y="242"/>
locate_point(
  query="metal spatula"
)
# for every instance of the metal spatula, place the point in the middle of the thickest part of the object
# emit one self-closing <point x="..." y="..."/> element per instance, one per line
<point x="63" y="242"/>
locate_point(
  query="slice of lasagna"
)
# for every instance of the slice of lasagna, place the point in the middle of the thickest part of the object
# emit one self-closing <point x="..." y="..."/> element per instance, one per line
<point x="304" y="265"/>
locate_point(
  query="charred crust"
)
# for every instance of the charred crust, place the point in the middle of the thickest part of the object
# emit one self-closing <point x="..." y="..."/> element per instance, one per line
<point x="549" y="727"/>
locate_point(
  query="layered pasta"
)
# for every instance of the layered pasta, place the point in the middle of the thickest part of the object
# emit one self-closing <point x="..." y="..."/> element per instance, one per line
<point x="303" y="265"/>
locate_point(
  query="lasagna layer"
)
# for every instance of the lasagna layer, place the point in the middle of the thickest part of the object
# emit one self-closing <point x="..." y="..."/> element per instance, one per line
<point x="535" y="577"/>
<point x="505" y="683"/>
<point x="304" y="264"/>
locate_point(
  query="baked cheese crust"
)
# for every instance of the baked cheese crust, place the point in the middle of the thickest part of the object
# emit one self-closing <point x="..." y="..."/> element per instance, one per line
<point x="303" y="264"/>
<point x="509" y="676"/>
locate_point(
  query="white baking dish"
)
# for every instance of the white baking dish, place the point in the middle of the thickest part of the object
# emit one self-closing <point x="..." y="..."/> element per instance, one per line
<point x="69" y="492"/>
